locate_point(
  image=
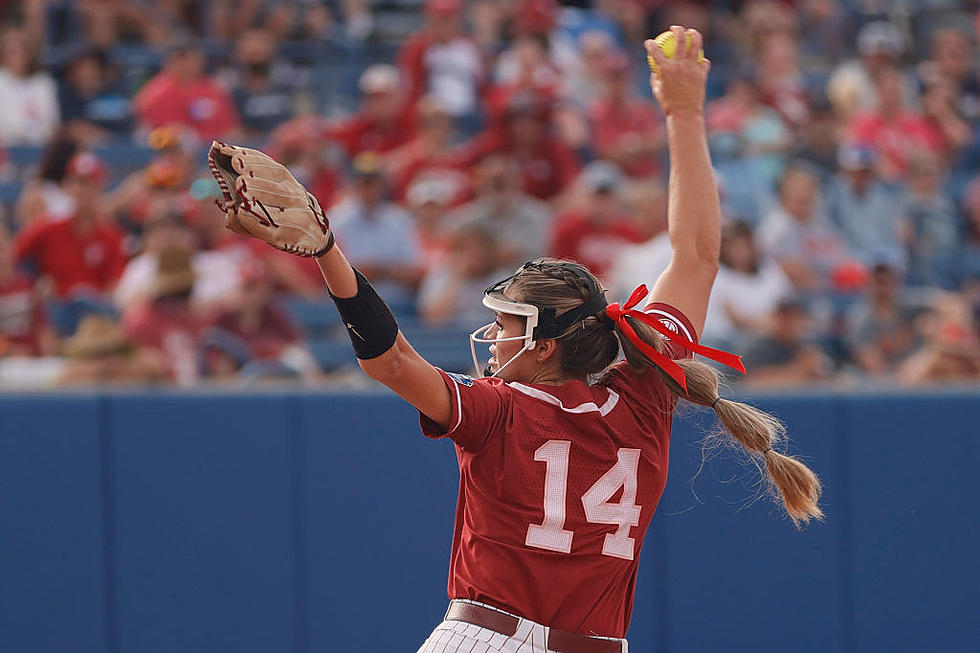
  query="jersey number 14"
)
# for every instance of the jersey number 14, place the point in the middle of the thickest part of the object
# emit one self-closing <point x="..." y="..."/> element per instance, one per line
<point x="625" y="514"/>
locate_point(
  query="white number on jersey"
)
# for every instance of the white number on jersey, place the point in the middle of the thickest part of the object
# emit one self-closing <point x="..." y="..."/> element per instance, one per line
<point x="551" y="534"/>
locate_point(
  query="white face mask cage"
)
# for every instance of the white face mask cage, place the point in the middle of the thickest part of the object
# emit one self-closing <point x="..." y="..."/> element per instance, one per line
<point x="498" y="303"/>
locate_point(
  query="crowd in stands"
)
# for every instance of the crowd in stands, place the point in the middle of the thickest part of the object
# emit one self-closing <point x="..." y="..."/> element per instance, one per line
<point x="455" y="140"/>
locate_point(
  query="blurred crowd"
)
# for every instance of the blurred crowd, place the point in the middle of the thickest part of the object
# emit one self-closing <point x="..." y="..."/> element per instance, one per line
<point x="454" y="140"/>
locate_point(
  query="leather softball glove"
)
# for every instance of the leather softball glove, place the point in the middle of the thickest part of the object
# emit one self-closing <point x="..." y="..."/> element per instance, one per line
<point x="262" y="199"/>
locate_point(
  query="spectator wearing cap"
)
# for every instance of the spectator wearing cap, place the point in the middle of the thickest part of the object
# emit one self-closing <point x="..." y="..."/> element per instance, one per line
<point x="880" y="45"/>
<point x="28" y="96"/>
<point x="880" y="328"/>
<point x="442" y="61"/>
<point x="378" y="237"/>
<point x="100" y="352"/>
<point x="167" y="324"/>
<point x="24" y="329"/>
<point x="430" y="198"/>
<point x="626" y="129"/>
<point x="784" y="356"/>
<point x="797" y="233"/>
<point x="385" y="122"/>
<point x="522" y="223"/>
<point x="83" y="253"/>
<point x="94" y="105"/>
<point x="892" y="129"/>
<point x="864" y="209"/>
<point x="183" y="94"/>
<point x="595" y="229"/>
<point x="931" y="225"/>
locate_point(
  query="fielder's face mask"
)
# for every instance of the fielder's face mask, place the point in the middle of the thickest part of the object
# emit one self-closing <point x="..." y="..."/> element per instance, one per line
<point x="539" y="323"/>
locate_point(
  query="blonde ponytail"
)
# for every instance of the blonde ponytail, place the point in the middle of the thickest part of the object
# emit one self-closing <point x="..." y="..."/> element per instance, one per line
<point x="756" y="430"/>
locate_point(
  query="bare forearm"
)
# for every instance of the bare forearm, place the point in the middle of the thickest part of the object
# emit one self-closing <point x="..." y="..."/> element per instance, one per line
<point x="694" y="211"/>
<point x="338" y="273"/>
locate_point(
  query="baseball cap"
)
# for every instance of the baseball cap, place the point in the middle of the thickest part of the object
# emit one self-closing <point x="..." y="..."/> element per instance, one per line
<point x="855" y="157"/>
<point x="86" y="166"/>
<point x="380" y="78"/>
<point x="880" y="37"/>
<point x="367" y="164"/>
<point x="601" y="176"/>
<point x="430" y="190"/>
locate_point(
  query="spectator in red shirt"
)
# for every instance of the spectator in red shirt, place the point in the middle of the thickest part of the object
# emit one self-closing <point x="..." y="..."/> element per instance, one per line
<point x="24" y="330"/>
<point x="83" y="253"/>
<point x="442" y="61"/>
<point x="627" y="130"/>
<point x="595" y="229"/>
<point x="430" y="153"/>
<point x="525" y="133"/>
<point x="182" y="93"/>
<point x="386" y="120"/>
<point x="893" y="130"/>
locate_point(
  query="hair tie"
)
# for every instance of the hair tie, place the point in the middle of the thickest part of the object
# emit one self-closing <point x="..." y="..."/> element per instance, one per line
<point x="767" y="451"/>
<point x="715" y="402"/>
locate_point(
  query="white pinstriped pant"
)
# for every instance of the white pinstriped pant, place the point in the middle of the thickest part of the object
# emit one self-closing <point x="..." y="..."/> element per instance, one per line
<point x="461" y="637"/>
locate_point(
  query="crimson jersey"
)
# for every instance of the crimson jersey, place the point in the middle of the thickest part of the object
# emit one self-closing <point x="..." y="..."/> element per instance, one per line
<point x="557" y="487"/>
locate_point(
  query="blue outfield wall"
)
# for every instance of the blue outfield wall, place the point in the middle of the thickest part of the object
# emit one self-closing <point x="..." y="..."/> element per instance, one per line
<point x="161" y="522"/>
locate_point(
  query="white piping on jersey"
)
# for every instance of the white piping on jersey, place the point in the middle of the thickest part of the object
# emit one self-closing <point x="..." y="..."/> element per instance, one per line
<point x="587" y="407"/>
<point x="459" y="406"/>
<point x="672" y="319"/>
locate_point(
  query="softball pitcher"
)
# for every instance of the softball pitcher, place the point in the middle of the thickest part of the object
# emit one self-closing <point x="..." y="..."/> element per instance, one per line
<point x="562" y="454"/>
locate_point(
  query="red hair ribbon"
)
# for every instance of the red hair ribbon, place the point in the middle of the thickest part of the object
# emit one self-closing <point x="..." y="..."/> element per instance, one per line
<point x="618" y="314"/>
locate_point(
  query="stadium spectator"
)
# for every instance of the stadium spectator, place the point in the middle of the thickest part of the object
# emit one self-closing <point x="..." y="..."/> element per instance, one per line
<point x="951" y="351"/>
<point x="523" y="129"/>
<point x="81" y="254"/>
<point x="261" y="85"/>
<point x="522" y="223"/>
<point x="183" y="94"/>
<point x="969" y="265"/>
<point x="881" y="329"/>
<point x="941" y="110"/>
<point x="100" y="352"/>
<point x="798" y="234"/>
<point x="167" y="324"/>
<point x="315" y="164"/>
<point x="748" y="288"/>
<point x="43" y="197"/>
<point x="892" y="129"/>
<point x="429" y="199"/>
<point x="782" y="83"/>
<point x="931" y="225"/>
<point x="217" y="275"/>
<point x="595" y="229"/>
<point x="94" y="104"/>
<point x="851" y="87"/>
<point x="866" y="211"/>
<point x="430" y="153"/>
<point x="643" y="262"/>
<point x="442" y="61"/>
<point x="28" y="95"/>
<point x="24" y="329"/>
<point x="783" y="356"/>
<point x="385" y="121"/>
<point x="450" y="293"/>
<point x="587" y="79"/>
<point x="378" y="237"/>
<point x="952" y="62"/>
<point x="627" y="129"/>
<point x="302" y="20"/>
<point x="759" y="138"/>
<point x="255" y="337"/>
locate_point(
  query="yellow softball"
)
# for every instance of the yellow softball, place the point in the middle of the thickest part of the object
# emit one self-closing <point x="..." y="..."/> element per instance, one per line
<point x="668" y="44"/>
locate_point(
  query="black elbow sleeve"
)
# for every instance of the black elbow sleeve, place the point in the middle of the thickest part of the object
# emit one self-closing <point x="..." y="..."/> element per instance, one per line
<point x="370" y="324"/>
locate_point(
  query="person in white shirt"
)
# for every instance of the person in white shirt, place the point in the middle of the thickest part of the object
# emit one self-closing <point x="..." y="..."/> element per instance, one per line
<point x="28" y="96"/>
